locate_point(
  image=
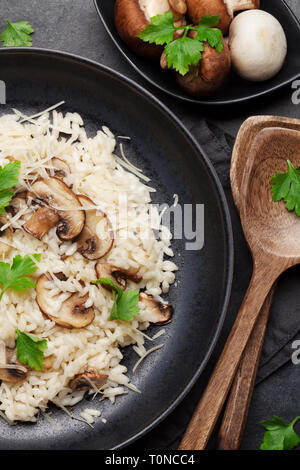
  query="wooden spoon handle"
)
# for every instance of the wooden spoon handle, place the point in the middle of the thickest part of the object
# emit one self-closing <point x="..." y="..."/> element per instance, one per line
<point x="212" y="401"/>
<point x="235" y="416"/>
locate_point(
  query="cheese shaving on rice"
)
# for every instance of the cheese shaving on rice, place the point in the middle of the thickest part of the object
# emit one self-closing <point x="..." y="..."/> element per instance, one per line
<point x="108" y="180"/>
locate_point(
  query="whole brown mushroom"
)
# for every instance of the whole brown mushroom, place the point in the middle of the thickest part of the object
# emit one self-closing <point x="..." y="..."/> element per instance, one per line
<point x="224" y="8"/>
<point x="208" y="76"/>
<point x="132" y="16"/>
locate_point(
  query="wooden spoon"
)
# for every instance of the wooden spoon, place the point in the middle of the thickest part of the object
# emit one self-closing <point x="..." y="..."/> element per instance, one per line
<point x="273" y="236"/>
<point x="236" y="413"/>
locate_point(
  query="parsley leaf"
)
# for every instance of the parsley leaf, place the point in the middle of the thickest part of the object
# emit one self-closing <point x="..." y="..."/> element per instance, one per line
<point x="207" y="33"/>
<point x="125" y="306"/>
<point x="184" y="51"/>
<point x="9" y="175"/>
<point x="17" y="34"/>
<point x="286" y="186"/>
<point x="12" y="277"/>
<point x="30" y="350"/>
<point x="160" y="31"/>
<point x="279" y="436"/>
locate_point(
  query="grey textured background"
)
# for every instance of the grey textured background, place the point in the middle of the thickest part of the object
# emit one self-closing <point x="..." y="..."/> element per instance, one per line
<point x="74" y="26"/>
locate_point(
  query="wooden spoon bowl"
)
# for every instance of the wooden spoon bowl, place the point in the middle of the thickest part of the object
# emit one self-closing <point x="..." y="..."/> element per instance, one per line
<point x="248" y="131"/>
<point x="269" y="226"/>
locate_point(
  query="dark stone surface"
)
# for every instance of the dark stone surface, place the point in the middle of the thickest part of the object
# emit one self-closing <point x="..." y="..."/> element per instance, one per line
<point x="74" y="26"/>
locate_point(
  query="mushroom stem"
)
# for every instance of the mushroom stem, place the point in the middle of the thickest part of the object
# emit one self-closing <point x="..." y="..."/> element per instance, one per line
<point x="178" y="6"/>
<point x="239" y="5"/>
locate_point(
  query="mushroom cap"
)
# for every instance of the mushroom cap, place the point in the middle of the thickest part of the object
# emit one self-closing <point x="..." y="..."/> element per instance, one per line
<point x="97" y="238"/>
<point x="198" y="8"/>
<point x="130" y="20"/>
<point x="205" y="79"/>
<point x="224" y="8"/>
<point x="116" y="274"/>
<point x="72" y="313"/>
<point x="82" y="381"/>
<point x="5" y="236"/>
<point x="56" y="194"/>
<point x="258" y="45"/>
<point x="155" y="311"/>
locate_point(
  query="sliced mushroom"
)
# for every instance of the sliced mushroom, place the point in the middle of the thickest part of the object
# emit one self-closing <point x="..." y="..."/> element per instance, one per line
<point x="41" y="222"/>
<point x="116" y="274"/>
<point x="83" y="381"/>
<point x="156" y="311"/>
<point x="5" y="237"/>
<point x="60" y="168"/>
<point x="96" y="238"/>
<point x="72" y="314"/>
<point x="17" y="203"/>
<point x="14" y="371"/>
<point x="58" y="196"/>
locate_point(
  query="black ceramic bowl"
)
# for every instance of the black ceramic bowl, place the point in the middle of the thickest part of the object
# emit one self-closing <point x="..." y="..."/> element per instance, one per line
<point x="36" y="79"/>
<point x="235" y="89"/>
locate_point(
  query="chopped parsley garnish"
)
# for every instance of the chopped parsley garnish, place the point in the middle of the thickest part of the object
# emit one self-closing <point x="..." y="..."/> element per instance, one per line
<point x="30" y="350"/>
<point x="286" y="186"/>
<point x="183" y="52"/>
<point x="125" y="305"/>
<point x="17" y="34"/>
<point x="14" y="276"/>
<point x="279" y="436"/>
<point x="9" y="176"/>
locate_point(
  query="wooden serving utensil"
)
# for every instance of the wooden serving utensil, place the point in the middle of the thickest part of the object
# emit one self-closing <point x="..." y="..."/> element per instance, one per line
<point x="273" y="237"/>
<point x="236" y="412"/>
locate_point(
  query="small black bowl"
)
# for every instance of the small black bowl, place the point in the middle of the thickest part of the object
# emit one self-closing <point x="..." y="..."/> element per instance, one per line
<point x="235" y="89"/>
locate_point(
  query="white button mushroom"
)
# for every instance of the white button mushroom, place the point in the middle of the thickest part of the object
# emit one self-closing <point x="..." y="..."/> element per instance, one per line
<point x="258" y="45"/>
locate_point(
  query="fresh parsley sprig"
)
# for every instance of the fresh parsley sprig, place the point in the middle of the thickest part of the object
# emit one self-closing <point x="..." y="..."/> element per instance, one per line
<point x="279" y="436"/>
<point x="30" y="350"/>
<point x="183" y="52"/>
<point x="286" y="186"/>
<point x="17" y="34"/>
<point x="9" y="176"/>
<point x="14" y="276"/>
<point x="125" y="305"/>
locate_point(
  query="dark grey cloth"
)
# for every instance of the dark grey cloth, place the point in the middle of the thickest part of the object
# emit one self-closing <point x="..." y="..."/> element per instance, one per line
<point x="284" y="323"/>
